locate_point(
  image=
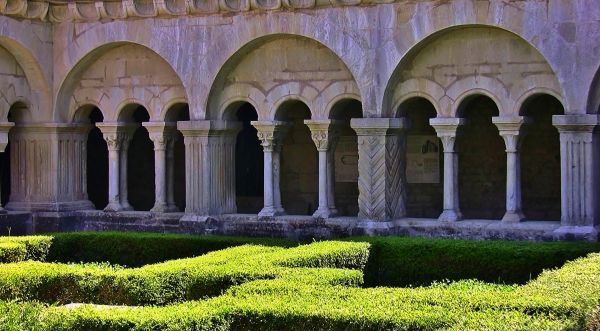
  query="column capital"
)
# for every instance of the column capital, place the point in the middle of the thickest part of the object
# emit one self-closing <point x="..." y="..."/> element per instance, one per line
<point x="575" y="123"/>
<point x="117" y="133"/>
<point x="323" y="133"/>
<point x="271" y="133"/>
<point x="510" y="128"/>
<point x="446" y="126"/>
<point x="378" y="126"/>
<point x="207" y="128"/>
<point x="161" y="133"/>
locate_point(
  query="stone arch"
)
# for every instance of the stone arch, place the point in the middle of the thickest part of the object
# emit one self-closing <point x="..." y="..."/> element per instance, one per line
<point x="593" y="103"/>
<point x="539" y="151"/>
<point x="279" y="67"/>
<point x="481" y="159"/>
<point x="505" y="66"/>
<point x="117" y="73"/>
<point x="463" y="100"/>
<point x="424" y="189"/>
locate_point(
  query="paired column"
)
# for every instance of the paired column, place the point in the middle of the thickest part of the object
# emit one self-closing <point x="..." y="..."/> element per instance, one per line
<point x="162" y="134"/>
<point x="381" y="166"/>
<point x="117" y="136"/>
<point x="447" y="130"/>
<point x="325" y="135"/>
<point x="209" y="167"/>
<point x="271" y="134"/>
<point x="510" y="131"/>
<point x="579" y="176"/>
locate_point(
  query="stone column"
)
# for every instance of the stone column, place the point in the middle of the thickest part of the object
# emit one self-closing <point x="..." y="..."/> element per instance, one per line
<point x="117" y="136"/>
<point x="48" y="167"/>
<point x="4" y="128"/>
<point x="271" y="134"/>
<point x="126" y="137"/>
<point x="209" y="167"/>
<point x="171" y="207"/>
<point x="331" y="176"/>
<point x="579" y="158"/>
<point x="324" y="135"/>
<point x="160" y="134"/>
<point x="381" y="168"/>
<point x="447" y="129"/>
<point x="510" y="131"/>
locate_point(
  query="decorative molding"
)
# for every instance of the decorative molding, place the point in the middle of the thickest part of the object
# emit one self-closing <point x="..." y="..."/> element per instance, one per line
<point x="98" y="10"/>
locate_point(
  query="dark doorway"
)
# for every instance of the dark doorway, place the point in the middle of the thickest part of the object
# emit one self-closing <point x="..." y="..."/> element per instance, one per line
<point x="140" y="165"/>
<point x="249" y="174"/>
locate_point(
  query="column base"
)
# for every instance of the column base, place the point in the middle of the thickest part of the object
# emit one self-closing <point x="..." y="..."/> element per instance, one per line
<point x="450" y="215"/>
<point x="513" y="217"/>
<point x="113" y="207"/>
<point x="172" y="209"/>
<point x="566" y="232"/>
<point x="125" y="206"/>
<point x="50" y="206"/>
<point x="270" y="212"/>
<point x="325" y="213"/>
<point x="3" y="211"/>
<point x="159" y="208"/>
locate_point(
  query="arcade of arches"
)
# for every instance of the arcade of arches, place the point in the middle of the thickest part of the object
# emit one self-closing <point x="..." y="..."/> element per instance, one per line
<point x="455" y="136"/>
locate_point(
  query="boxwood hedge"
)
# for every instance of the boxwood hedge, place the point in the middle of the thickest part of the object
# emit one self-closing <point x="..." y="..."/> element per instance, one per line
<point x="281" y="287"/>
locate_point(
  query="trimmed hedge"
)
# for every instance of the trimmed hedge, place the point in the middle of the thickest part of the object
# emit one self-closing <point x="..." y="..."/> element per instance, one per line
<point x="412" y="261"/>
<point x="15" y="249"/>
<point x="178" y="280"/>
<point x="137" y="249"/>
<point x="561" y="299"/>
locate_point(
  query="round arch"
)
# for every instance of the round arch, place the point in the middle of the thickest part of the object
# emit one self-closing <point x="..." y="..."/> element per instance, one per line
<point x="456" y="67"/>
<point x="142" y="59"/>
<point x="253" y="77"/>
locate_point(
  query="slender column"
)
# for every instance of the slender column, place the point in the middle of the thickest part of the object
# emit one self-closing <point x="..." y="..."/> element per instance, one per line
<point x="447" y="129"/>
<point x="510" y="131"/>
<point x="324" y="134"/>
<point x="209" y="167"/>
<point x="123" y="165"/>
<point x="117" y="136"/>
<point x="271" y="136"/>
<point x="160" y="134"/>
<point x="277" y="177"/>
<point x="579" y="155"/>
<point x="381" y="168"/>
<point x="113" y="141"/>
<point x="331" y="176"/>
<point x="171" y="207"/>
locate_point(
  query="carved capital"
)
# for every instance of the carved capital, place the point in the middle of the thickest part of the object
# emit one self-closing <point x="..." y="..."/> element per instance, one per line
<point x="324" y="133"/>
<point x="271" y="134"/>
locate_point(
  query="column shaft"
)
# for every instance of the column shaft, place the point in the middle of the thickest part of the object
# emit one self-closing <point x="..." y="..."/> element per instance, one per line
<point x="447" y="130"/>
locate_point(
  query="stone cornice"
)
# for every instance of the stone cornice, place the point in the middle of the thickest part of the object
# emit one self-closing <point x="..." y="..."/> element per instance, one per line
<point x="58" y="11"/>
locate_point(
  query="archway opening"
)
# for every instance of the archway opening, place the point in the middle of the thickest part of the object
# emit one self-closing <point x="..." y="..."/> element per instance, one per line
<point x="249" y="160"/>
<point x="540" y="159"/>
<point x="346" y="157"/>
<point x="424" y="160"/>
<point x="177" y="112"/>
<point x="140" y="160"/>
<point x="482" y="161"/>
<point x="97" y="161"/>
<point x="299" y="173"/>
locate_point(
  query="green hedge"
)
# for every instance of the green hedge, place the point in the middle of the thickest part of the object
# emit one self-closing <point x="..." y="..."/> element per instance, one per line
<point x="138" y="249"/>
<point x="15" y="249"/>
<point x="411" y="261"/>
<point x="562" y="299"/>
<point x="179" y="280"/>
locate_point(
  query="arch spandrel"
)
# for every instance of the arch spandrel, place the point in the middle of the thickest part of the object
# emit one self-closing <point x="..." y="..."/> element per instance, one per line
<point x="116" y="74"/>
<point x="472" y="59"/>
<point x="280" y="68"/>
